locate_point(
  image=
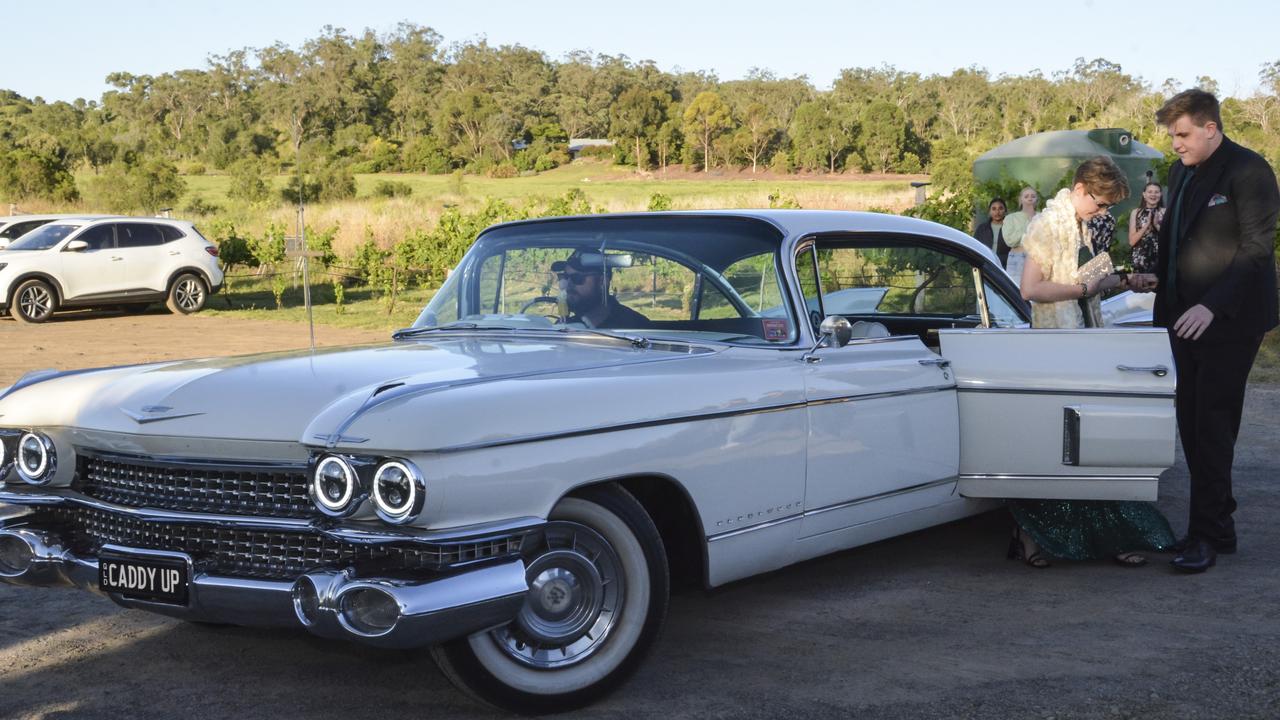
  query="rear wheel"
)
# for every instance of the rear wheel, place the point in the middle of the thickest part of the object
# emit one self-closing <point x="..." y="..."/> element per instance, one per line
<point x="598" y="591"/>
<point x="187" y="294"/>
<point x="33" y="302"/>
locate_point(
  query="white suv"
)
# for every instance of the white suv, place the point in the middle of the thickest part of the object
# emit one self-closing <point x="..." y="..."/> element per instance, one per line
<point x="113" y="261"/>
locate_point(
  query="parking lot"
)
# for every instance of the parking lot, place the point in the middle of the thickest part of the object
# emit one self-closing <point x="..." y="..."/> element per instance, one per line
<point x="932" y="625"/>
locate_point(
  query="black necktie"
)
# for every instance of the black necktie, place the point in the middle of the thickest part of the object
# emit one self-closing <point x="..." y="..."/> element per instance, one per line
<point x="1175" y="234"/>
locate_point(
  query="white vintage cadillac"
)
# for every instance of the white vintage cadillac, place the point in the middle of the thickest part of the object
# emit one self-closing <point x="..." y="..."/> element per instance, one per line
<point x="591" y="410"/>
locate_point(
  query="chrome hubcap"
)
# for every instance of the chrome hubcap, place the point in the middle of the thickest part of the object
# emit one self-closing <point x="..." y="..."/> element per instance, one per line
<point x="188" y="294"/>
<point x="35" y="302"/>
<point x="575" y="598"/>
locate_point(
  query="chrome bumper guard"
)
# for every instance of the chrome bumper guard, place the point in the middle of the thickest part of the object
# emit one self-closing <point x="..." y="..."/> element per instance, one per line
<point x="385" y="612"/>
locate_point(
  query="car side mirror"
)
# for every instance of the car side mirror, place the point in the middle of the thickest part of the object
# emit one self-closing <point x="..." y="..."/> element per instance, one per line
<point x="76" y="246"/>
<point x="837" y="330"/>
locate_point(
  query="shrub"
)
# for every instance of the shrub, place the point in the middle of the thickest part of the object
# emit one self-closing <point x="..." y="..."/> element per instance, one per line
<point x="659" y="201"/>
<point x="597" y="151"/>
<point x="199" y="206"/>
<point x="146" y="187"/>
<point x="779" y="199"/>
<point x="331" y="182"/>
<point x="392" y="189"/>
<point x="195" y="168"/>
<point x="781" y="162"/>
<point x="247" y="182"/>
<point x="503" y="170"/>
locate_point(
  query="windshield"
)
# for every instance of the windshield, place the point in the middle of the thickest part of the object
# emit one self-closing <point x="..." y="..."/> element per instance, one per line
<point x="43" y="237"/>
<point x="711" y="278"/>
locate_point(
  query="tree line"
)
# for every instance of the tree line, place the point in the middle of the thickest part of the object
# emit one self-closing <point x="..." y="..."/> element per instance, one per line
<point x="405" y="101"/>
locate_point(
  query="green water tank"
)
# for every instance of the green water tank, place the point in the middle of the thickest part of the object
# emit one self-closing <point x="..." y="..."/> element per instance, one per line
<point x="1043" y="159"/>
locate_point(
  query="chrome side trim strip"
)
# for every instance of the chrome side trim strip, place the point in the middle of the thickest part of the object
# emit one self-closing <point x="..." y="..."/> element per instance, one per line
<point x="829" y="508"/>
<point x="1080" y="392"/>
<point x="351" y="533"/>
<point x="688" y="418"/>
<point x="998" y="476"/>
<point x="882" y="496"/>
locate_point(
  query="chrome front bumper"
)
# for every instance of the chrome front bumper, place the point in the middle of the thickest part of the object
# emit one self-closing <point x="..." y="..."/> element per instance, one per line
<point x="425" y="611"/>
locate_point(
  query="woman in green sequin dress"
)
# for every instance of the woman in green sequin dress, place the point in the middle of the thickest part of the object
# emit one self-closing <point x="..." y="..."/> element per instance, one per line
<point x="1056" y="245"/>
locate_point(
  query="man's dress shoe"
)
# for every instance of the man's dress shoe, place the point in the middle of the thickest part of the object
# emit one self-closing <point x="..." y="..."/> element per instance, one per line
<point x="1197" y="557"/>
<point x="1181" y="544"/>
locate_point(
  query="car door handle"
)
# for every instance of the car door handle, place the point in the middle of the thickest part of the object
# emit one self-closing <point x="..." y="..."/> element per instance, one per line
<point x="115" y="258"/>
<point x="1157" y="370"/>
<point x="175" y="252"/>
<point x="938" y="362"/>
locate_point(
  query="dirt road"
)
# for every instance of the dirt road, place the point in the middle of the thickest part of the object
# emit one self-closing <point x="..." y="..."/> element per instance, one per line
<point x="933" y="625"/>
<point x="96" y="339"/>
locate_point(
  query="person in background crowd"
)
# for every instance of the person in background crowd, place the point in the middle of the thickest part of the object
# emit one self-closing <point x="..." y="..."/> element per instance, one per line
<point x="1102" y="231"/>
<point x="1144" y="226"/>
<point x="1216" y="293"/>
<point x="989" y="233"/>
<point x="1057" y="243"/>
<point x="1015" y="226"/>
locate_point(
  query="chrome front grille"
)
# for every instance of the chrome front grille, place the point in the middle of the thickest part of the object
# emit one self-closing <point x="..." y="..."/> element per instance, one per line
<point x="195" y="486"/>
<point x="266" y="554"/>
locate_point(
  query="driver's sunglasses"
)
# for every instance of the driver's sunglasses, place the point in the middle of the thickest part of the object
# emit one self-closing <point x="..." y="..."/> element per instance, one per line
<point x="575" y="278"/>
<point x="1101" y="205"/>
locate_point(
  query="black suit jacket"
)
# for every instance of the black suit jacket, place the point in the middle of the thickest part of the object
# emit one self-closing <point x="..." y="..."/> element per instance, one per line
<point x="983" y="235"/>
<point x="1226" y="252"/>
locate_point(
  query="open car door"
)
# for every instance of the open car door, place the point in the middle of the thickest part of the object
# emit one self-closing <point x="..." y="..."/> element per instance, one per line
<point x="1064" y="414"/>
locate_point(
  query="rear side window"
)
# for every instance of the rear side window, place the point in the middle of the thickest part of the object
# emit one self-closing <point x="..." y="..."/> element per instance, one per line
<point x="131" y="235"/>
<point x="170" y="233"/>
<point x="98" y="237"/>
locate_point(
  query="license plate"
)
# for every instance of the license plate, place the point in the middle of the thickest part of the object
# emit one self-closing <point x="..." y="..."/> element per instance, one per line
<point x="155" y="579"/>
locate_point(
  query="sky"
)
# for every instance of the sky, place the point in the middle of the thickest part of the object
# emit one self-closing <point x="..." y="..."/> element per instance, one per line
<point x="85" y="41"/>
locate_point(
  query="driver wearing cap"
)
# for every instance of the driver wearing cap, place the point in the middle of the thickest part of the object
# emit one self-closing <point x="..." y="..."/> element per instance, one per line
<point x="585" y="287"/>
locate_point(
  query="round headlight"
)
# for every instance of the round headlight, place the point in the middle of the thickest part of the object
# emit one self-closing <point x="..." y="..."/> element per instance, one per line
<point x="333" y="487"/>
<point x="398" y="491"/>
<point x="37" y="460"/>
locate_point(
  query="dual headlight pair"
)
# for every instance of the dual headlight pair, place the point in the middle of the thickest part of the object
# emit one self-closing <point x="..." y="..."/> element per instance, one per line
<point x="341" y="483"/>
<point x="31" y="453"/>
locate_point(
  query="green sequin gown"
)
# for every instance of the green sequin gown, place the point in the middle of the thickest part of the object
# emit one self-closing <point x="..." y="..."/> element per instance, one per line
<point x="1092" y="529"/>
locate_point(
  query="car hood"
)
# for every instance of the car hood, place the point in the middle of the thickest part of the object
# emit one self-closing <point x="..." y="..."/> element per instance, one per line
<point x="346" y="396"/>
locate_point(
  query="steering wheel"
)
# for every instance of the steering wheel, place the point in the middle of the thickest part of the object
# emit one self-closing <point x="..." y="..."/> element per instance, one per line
<point x="541" y="299"/>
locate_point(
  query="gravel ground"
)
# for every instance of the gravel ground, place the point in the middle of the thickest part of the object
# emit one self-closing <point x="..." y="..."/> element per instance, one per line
<point x="936" y="624"/>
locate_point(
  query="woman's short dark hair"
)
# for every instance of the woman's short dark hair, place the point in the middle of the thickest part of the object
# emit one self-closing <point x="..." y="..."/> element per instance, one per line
<point x="1102" y="177"/>
<point x="997" y="200"/>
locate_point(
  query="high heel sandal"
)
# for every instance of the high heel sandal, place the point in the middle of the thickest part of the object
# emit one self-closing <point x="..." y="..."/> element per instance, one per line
<point x="1018" y="550"/>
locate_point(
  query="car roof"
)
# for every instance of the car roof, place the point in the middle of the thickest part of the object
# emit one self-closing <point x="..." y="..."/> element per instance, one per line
<point x="798" y="223"/>
<point x="10" y="219"/>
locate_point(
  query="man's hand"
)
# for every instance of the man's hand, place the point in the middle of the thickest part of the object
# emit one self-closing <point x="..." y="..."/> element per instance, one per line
<point x="1142" y="282"/>
<point x="1193" y="323"/>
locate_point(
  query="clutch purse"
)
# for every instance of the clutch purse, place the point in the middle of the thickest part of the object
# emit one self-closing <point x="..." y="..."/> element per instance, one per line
<point x="1099" y="266"/>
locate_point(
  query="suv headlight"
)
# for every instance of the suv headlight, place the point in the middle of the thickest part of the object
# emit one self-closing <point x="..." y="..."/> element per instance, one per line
<point x="37" y="460"/>
<point x="399" y="491"/>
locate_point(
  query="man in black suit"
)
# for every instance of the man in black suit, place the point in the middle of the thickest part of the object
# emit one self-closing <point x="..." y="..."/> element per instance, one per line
<point x="1216" y="293"/>
<point x="990" y="232"/>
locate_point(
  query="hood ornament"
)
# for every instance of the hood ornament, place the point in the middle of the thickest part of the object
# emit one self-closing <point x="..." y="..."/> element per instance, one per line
<point x="155" y="413"/>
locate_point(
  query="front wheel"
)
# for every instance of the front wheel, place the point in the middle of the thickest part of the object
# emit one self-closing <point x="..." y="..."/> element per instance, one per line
<point x="598" y="591"/>
<point x="33" y="302"/>
<point x="187" y="295"/>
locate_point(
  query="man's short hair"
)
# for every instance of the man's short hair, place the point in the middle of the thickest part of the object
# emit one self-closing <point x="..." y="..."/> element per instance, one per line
<point x="1196" y="104"/>
<point x="1102" y="177"/>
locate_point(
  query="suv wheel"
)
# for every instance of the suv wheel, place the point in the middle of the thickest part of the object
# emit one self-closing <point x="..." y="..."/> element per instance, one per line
<point x="187" y="294"/>
<point x="33" y="302"/>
